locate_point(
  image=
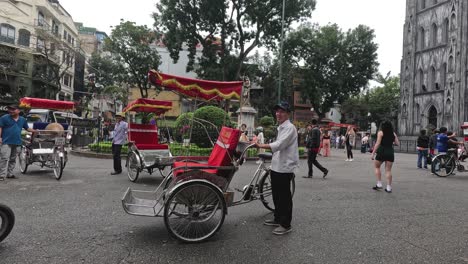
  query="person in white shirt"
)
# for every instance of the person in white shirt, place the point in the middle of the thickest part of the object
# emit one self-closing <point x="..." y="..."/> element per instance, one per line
<point x="284" y="161"/>
<point x="260" y="140"/>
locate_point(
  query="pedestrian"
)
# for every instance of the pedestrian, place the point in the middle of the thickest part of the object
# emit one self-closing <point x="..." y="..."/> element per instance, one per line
<point x="422" y="147"/>
<point x="313" y="145"/>
<point x="350" y="138"/>
<point x="342" y="142"/>
<point x="365" y="143"/>
<point x="243" y="135"/>
<point x="284" y="161"/>
<point x="338" y="141"/>
<point x="383" y="153"/>
<point x="433" y="142"/>
<point x="120" y="137"/>
<point x="326" y="143"/>
<point x="321" y="142"/>
<point x="10" y="140"/>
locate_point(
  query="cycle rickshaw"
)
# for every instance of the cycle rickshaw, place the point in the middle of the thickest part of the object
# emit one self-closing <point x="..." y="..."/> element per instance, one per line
<point x="47" y="148"/>
<point x="195" y="198"/>
<point x="144" y="150"/>
<point x="444" y="164"/>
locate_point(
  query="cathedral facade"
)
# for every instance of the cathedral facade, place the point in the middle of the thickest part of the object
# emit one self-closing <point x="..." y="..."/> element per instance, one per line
<point x="434" y="67"/>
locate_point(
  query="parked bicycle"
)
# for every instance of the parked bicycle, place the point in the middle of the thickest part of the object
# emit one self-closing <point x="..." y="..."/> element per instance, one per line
<point x="444" y="164"/>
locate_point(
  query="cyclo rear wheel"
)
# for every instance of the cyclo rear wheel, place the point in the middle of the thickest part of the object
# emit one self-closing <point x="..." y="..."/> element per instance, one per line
<point x="264" y="188"/>
<point x="443" y="165"/>
<point x="133" y="166"/>
<point x="7" y="221"/>
<point x="194" y="211"/>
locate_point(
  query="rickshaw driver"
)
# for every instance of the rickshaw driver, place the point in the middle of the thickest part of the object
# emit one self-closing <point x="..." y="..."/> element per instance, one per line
<point x="120" y="137"/>
<point x="284" y="161"/>
<point x="10" y="140"/>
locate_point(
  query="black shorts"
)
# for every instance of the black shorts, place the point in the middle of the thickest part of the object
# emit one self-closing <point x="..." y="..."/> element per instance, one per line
<point x="385" y="154"/>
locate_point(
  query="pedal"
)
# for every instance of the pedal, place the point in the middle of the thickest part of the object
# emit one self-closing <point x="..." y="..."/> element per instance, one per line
<point x="461" y="168"/>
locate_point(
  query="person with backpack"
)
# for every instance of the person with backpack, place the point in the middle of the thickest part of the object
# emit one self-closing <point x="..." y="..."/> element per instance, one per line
<point x="422" y="147"/>
<point x="313" y="146"/>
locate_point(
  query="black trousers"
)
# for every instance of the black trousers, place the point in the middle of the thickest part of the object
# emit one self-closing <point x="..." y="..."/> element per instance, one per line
<point x="282" y="197"/>
<point x="116" y="152"/>
<point x="312" y="160"/>
<point x="349" y="151"/>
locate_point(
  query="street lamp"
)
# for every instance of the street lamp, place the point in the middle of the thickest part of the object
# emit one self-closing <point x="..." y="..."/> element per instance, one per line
<point x="281" y="53"/>
<point x="369" y="122"/>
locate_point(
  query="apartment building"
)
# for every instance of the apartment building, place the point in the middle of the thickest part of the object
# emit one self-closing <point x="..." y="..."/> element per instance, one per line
<point x="38" y="45"/>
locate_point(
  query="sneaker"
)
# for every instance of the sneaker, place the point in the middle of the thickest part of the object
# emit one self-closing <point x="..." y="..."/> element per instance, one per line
<point x="350" y="159"/>
<point x="388" y="191"/>
<point x="377" y="188"/>
<point x="281" y="230"/>
<point x="346" y="159"/>
<point x="271" y="222"/>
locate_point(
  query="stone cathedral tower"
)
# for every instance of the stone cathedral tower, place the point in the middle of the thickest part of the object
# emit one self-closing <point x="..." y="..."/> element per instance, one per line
<point x="434" y="68"/>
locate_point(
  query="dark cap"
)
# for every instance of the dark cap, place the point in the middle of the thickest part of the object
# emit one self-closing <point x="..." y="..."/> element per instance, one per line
<point x="283" y="105"/>
<point x="13" y="106"/>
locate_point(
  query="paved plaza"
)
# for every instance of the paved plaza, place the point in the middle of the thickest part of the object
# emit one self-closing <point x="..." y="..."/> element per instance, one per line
<point x="338" y="220"/>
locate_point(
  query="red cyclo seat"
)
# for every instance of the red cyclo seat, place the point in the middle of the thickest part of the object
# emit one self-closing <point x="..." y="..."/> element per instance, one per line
<point x="221" y="154"/>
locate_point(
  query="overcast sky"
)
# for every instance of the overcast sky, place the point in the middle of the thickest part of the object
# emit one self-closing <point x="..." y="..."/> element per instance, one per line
<point x="384" y="16"/>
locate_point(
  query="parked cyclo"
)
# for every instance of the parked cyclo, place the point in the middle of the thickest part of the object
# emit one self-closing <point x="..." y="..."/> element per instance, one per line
<point x="49" y="145"/>
<point x="194" y="200"/>
<point x="144" y="149"/>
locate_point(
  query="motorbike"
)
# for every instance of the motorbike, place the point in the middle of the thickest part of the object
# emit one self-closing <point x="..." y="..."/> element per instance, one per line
<point x="7" y="221"/>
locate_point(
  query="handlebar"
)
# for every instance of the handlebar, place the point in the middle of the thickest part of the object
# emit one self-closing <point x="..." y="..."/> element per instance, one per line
<point x="240" y="160"/>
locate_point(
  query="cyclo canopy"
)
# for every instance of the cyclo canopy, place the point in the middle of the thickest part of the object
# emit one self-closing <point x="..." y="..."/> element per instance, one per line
<point x="149" y="106"/>
<point x="200" y="89"/>
<point x="28" y="102"/>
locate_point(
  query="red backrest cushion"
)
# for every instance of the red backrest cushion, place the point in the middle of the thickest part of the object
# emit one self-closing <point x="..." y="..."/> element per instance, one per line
<point x="224" y="147"/>
<point x="143" y="134"/>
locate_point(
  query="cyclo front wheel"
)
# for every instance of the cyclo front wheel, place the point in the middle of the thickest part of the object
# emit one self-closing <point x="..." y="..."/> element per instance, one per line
<point x="7" y="221"/>
<point x="23" y="160"/>
<point x="133" y="166"/>
<point x="443" y="165"/>
<point x="58" y="166"/>
<point x="264" y="188"/>
<point x="194" y="211"/>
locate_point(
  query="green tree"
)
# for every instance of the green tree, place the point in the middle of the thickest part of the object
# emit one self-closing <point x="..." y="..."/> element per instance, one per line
<point x="129" y="44"/>
<point x="381" y="102"/>
<point x="267" y="121"/>
<point x="334" y="65"/>
<point x="227" y="30"/>
<point x="108" y="71"/>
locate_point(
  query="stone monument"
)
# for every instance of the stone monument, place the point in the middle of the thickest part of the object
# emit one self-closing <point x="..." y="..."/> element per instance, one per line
<point x="246" y="113"/>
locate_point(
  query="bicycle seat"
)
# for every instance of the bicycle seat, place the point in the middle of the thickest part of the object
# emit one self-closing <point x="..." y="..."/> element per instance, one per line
<point x="265" y="156"/>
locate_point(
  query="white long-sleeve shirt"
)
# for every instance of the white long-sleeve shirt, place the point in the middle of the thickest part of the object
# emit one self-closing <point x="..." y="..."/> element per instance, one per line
<point x="285" y="149"/>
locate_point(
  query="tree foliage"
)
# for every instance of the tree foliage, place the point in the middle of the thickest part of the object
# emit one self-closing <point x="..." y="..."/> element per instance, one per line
<point x="129" y="43"/>
<point x="381" y="102"/>
<point x="334" y="65"/>
<point x="228" y="31"/>
<point x="107" y="70"/>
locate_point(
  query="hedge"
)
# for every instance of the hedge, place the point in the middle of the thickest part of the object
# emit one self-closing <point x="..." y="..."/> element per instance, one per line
<point x="176" y="149"/>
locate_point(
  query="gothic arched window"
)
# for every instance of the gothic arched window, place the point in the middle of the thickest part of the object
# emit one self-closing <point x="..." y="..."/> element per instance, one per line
<point x="445" y="32"/>
<point x="422" y="4"/>
<point x="422" y="38"/>
<point x="434" y="35"/>
<point x="451" y="64"/>
<point x="448" y="106"/>
<point x="443" y="75"/>
<point x="432" y="116"/>
<point x="453" y="22"/>
<point x="421" y="80"/>
<point x="432" y="78"/>
<point x="416" y="114"/>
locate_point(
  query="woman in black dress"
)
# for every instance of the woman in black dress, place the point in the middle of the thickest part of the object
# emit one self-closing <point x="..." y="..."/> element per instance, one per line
<point x="383" y="153"/>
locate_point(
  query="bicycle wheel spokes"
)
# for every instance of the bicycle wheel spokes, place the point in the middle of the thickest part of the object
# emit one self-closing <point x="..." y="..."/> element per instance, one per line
<point x="195" y="212"/>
